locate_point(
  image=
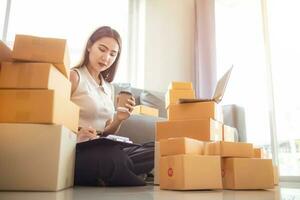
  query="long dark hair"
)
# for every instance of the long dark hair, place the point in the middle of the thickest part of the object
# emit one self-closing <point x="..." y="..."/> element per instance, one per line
<point x="104" y="31"/>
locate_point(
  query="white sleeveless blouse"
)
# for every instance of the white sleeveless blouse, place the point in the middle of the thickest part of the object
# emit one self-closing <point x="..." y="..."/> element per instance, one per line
<point x="95" y="101"/>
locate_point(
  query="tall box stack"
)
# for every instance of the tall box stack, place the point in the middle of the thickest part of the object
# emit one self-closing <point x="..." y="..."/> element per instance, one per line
<point x="197" y="121"/>
<point x="193" y="122"/>
<point x="38" y="121"/>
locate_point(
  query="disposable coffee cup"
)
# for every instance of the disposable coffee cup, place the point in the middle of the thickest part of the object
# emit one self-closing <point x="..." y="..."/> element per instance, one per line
<point x="123" y="100"/>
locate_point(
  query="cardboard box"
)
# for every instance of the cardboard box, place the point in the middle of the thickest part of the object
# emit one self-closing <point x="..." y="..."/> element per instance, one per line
<point x="229" y="133"/>
<point x="247" y="173"/>
<point x="229" y="149"/>
<point x="181" y="145"/>
<point x="259" y="153"/>
<point x="200" y="110"/>
<point x="276" y="175"/>
<point x="145" y="110"/>
<point x="156" y="162"/>
<point x="205" y="130"/>
<point x="34" y="76"/>
<point x="190" y="172"/>
<point x="39" y="49"/>
<point x="175" y="85"/>
<point x="37" y="106"/>
<point x="5" y="52"/>
<point x="36" y="157"/>
<point x="172" y="96"/>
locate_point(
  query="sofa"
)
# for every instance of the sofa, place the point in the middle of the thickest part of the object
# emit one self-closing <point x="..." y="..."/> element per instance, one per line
<point x="141" y="128"/>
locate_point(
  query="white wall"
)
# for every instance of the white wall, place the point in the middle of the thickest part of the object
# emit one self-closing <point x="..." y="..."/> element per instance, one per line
<point x="169" y="42"/>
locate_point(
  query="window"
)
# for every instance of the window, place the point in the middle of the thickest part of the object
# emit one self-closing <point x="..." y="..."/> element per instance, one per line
<point x="283" y="18"/>
<point x="239" y="42"/>
<point x="72" y="20"/>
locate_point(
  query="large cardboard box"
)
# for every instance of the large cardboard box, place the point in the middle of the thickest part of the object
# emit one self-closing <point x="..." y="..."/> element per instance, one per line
<point x="145" y="110"/>
<point x="172" y="96"/>
<point x="199" y="110"/>
<point x="36" y="157"/>
<point x="156" y="162"/>
<point x="190" y="172"/>
<point x="37" y="106"/>
<point x="229" y="149"/>
<point x="205" y="130"/>
<point x="34" y="76"/>
<point x="39" y="49"/>
<point x="229" y="133"/>
<point x="247" y="173"/>
<point x="181" y="145"/>
<point x="5" y="52"/>
<point x="175" y="85"/>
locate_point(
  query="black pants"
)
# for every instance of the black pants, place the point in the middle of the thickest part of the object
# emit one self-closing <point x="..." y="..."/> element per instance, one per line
<point x="112" y="165"/>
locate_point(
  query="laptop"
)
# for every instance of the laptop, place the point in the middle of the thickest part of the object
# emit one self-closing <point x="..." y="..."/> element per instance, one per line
<point x="219" y="90"/>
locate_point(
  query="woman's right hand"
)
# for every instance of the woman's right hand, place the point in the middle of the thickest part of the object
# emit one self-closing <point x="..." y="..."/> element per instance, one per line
<point x="86" y="133"/>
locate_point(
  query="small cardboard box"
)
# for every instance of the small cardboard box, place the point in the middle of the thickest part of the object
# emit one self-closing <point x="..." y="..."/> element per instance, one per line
<point x="259" y="153"/>
<point x="199" y="110"/>
<point x="247" y="173"/>
<point x="5" y="52"/>
<point x="172" y="96"/>
<point x="229" y="149"/>
<point x="39" y="49"/>
<point x="37" y="106"/>
<point x="276" y="175"/>
<point x="34" y="76"/>
<point x="190" y="172"/>
<point x="181" y="145"/>
<point x="36" y="157"/>
<point x="175" y="85"/>
<point x="205" y="130"/>
<point x="229" y="133"/>
<point x="156" y="162"/>
<point x="145" y="110"/>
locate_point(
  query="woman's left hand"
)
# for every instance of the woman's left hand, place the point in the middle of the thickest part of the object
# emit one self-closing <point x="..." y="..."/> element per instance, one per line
<point x="121" y="115"/>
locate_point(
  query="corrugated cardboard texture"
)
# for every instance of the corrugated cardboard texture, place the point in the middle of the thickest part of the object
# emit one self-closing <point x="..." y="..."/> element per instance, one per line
<point x="229" y="149"/>
<point x="205" y="130"/>
<point x="190" y="172"/>
<point x="247" y="173"/>
<point x="183" y="145"/>
<point x="39" y="49"/>
<point x="36" y="157"/>
<point x="172" y="96"/>
<point x="37" y="106"/>
<point x="5" y="52"/>
<point x="145" y="110"/>
<point x="200" y="110"/>
<point x="34" y="76"/>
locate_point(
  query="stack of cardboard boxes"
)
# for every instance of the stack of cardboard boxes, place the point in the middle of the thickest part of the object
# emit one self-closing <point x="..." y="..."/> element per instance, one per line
<point x="38" y="121"/>
<point x="195" y="150"/>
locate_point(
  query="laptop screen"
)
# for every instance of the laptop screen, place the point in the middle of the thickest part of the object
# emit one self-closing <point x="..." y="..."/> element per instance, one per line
<point x="221" y="86"/>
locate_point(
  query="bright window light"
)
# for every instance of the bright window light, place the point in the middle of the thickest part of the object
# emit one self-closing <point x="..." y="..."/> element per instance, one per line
<point x="72" y="20"/>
